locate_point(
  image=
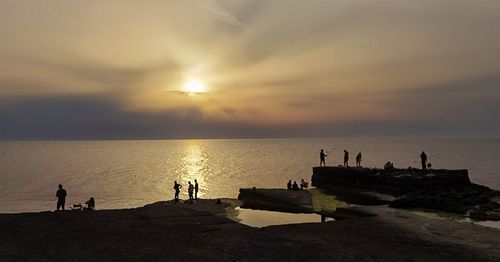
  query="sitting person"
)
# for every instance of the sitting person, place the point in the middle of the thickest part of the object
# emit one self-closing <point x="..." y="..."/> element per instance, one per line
<point x="289" y="185"/>
<point x="295" y="186"/>
<point x="303" y="184"/>
<point x="90" y="204"/>
<point x="388" y="166"/>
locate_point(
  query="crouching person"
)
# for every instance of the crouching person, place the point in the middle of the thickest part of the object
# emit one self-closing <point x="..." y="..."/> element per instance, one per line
<point x="90" y="204"/>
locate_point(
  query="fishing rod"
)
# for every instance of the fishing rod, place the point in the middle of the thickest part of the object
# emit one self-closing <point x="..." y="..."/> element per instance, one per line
<point x="331" y="151"/>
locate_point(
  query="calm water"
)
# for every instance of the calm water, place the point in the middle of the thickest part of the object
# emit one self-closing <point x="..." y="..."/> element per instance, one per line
<point x="262" y="218"/>
<point x="133" y="173"/>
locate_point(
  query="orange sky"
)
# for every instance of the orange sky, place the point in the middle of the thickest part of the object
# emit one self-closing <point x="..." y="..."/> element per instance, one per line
<point x="263" y="63"/>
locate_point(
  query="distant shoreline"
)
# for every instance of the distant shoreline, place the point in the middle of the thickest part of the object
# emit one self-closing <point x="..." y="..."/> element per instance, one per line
<point x="249" y="138"/>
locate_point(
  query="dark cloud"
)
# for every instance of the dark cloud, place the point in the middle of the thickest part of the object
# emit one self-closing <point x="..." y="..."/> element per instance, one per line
<point x="101" y="117"/>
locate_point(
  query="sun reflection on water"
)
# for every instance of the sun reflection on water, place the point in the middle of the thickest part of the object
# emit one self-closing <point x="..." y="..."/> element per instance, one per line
<point x="194" y="166"/>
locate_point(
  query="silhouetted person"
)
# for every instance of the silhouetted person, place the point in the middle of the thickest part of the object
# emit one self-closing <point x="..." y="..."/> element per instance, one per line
<point x="289" y="185"/>
<point x="177" y="188"/>
<point x="322" y="156"/>
<point x="190" y="191"/>
<point x="388" y="166"/>
<point x="303" y="184"/>
<point x="61" y="197"/>
<point x="295" y="186"/>
<point x="195" y="189"/>
<point x="346" y="158"/>
<point x="90" y="204"/>
<point x="423" y="159"/>
<point x="358" y="159"/>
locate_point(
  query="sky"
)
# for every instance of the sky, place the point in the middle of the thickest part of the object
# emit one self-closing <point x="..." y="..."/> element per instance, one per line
<point x="94" y="69"/>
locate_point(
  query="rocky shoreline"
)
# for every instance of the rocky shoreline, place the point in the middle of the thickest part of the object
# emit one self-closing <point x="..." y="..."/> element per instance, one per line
<point x="202" y="231"/>
<point x="435" y="189"/>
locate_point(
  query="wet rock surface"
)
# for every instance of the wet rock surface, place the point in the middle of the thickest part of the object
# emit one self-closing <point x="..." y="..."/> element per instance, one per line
<point x="276" y="200"/>
<point x="166" y="231"/>
<point x="443" y="190"/>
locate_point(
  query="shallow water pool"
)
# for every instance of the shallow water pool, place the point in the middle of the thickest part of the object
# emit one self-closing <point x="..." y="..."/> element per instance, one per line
<point x="262" y="218"/>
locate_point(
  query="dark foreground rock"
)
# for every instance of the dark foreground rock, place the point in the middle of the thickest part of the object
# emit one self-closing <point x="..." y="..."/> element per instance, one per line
<point x="438" y="189"/>
<point x="276" y="199"/>
<point x="199" y="232"/>
<point x="394" y="181"/>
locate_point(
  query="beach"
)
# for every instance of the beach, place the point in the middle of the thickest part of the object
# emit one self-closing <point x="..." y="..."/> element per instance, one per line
<point x="204" y="231"/>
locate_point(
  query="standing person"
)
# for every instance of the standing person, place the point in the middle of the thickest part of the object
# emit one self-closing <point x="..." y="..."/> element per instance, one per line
<point x="61" y="197"/>
<point x="190" y="191"/>
<point x="177" y="188"/>
<point x="423" y="159"/>
<point x="358" y="159"/>
<point x="195" y="189"/>
<point x="322" y="156"/>
<point x="346" y="158"/>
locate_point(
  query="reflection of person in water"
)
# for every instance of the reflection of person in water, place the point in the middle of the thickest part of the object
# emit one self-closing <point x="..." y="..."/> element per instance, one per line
<point x="61" y="197"/>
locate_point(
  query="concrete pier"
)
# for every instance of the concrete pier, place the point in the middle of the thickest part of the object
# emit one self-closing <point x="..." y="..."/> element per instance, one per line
<point x="394" y="181"/>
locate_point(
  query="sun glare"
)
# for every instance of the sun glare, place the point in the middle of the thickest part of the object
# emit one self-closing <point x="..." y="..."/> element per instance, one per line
<point x="194" y="86"/>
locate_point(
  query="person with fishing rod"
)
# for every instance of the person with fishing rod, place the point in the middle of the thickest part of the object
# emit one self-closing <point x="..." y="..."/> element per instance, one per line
<point x="322" y="156"/>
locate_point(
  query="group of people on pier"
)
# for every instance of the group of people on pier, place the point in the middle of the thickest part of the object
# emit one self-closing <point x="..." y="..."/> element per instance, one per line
<point x="322" y="157"/>
<point x="359" y="158"/>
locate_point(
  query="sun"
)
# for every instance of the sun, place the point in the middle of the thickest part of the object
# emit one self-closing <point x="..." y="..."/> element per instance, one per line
<point x="194" y="86"/>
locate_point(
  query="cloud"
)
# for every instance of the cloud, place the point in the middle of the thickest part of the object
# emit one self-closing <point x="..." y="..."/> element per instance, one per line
<point x="214" y="8"/>
<point x="271" y="68"/>
<point x="102" y="117"/>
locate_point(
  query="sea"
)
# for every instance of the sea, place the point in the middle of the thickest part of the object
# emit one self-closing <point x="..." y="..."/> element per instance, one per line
<point x="127" y="174"/>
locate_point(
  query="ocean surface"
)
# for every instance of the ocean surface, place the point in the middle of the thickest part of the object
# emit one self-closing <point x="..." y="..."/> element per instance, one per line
<point x="122" y="174"/>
